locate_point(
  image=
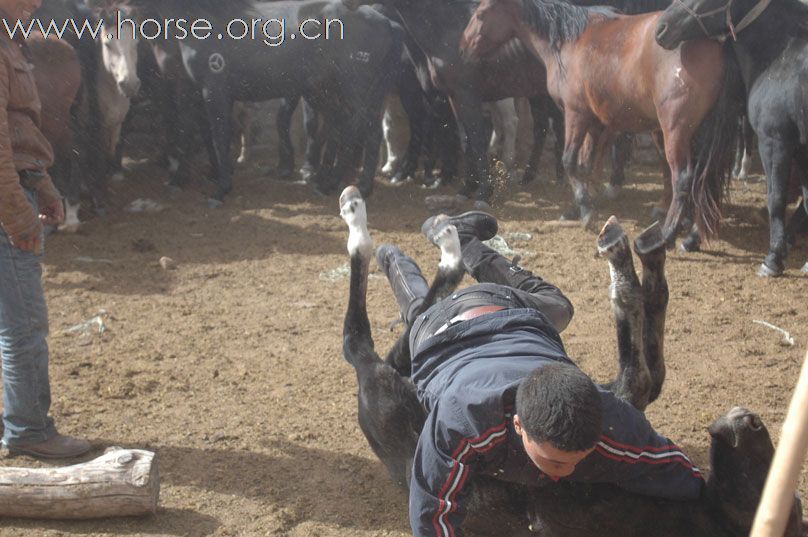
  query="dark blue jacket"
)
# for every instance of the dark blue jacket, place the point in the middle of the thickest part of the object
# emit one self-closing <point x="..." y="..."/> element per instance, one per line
<point x="466" y="378"/>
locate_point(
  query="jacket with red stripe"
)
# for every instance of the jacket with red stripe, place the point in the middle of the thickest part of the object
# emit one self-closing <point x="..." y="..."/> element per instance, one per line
<point x="467" y="376"/>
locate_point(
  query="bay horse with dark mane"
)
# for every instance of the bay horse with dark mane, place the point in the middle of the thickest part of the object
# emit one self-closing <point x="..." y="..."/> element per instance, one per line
<point x="770" y="41"/>
<point x="607" y="73"/>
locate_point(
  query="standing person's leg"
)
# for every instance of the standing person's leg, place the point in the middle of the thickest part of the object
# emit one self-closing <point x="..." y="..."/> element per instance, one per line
<point x="486" y="265"/>
<point x="23" y="344"/>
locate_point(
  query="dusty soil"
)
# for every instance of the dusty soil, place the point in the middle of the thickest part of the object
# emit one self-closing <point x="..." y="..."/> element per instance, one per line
<point x="229" y="366"/>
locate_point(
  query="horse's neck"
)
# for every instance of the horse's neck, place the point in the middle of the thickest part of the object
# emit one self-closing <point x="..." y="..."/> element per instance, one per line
<point x="539" y="45"/>
<point x="764" y="40"/>
<point x="428" y="22"/>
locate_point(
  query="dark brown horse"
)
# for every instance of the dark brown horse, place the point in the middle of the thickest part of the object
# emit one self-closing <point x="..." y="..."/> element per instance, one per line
<point x="609" y="75"/>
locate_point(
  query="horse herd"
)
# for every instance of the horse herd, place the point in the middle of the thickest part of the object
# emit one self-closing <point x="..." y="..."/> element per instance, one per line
<point x="688" y="76"/>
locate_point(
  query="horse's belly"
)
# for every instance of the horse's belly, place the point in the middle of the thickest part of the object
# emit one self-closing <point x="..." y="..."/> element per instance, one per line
<point x="626" y="116"/>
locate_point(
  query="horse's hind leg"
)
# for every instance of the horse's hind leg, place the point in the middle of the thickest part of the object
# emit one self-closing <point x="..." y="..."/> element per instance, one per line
<point x="633" y="383"/>
<point x="389" y="413"/>
<point x="650" y="248"/>
<point x="575" y="137"/>
<point x="621" y="152"/>
<point x="777" y="156"/>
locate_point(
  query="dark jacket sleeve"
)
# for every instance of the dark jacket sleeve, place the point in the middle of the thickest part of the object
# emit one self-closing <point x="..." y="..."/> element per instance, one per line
<point x="439" y="487"/>
<point x="17" y="215"/>
<point x="633" y="456"/>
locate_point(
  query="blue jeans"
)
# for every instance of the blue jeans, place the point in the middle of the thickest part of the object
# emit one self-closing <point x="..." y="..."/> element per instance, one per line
<point x="23" y="345"/>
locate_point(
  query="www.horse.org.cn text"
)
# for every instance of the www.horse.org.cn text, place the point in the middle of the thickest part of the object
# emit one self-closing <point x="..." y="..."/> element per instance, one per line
<point x="272" y="32"/>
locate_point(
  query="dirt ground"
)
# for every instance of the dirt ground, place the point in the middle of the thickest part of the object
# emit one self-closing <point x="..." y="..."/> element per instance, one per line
<point x="230" y="368"/>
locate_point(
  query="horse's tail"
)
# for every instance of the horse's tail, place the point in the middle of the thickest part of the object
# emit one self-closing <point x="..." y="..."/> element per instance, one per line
<point x="714" y="149"/>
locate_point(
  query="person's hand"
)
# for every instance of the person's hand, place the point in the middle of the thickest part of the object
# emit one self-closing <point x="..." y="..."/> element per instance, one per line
<point x="30" y="239"/>
<point x="52" y="214"/>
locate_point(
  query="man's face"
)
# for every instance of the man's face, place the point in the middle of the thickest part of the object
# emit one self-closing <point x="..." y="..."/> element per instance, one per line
<point x="550" y="460"/>
<point x="20" y="9"/>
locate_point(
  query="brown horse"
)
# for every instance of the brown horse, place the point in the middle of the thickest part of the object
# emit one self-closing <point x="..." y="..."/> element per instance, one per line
<point x="608" y="74"/>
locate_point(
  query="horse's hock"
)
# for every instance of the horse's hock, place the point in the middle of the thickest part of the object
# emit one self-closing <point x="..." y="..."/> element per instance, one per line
<point x="121" y="482"/>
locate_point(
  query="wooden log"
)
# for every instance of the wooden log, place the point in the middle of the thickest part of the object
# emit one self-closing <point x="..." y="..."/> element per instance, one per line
<point x="778" y="494"/>
<point x="122" y="482"/>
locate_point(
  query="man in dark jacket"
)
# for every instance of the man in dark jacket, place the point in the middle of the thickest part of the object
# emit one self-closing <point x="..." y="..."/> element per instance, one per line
<point x="502" y="397"/>
<point x="28" y="200"/>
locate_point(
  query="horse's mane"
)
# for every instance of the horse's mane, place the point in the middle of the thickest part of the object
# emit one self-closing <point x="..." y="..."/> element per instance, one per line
<point x="801" y="9"/>
<point x="629" y="7"/>
<point x="559" y="21"/>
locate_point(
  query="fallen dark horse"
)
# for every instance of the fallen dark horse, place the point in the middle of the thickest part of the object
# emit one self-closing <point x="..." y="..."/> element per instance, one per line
<point x="391" y="417"/>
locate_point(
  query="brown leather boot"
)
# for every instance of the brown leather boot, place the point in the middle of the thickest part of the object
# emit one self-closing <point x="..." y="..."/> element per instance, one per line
<point x="57" y="447"/>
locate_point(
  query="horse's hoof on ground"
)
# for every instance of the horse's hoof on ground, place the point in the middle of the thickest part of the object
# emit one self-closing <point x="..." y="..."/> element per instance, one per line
<point x="117" y="177"/>
<point x="658" y="213"/>
<point x="432" y="183"/>
<point x="804" y="268"/>
<point x="388" y="168"/>
<point x="214" y="203"/>
<point x="571" y="214"/>
<point x="649" y="240"/>
<point x="284" y="173"/>
<point x="69" y="228"/>
<point x="610" y="235"/>
<point x="611" y="192"/>
<point x="690" y="246"/>
<point x="588" y="220"/>
<point x="400" y="178"/>
<point x="767" y="272"/>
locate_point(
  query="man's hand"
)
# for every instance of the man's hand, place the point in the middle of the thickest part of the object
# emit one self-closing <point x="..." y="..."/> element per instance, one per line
<point x="52" y="214"/>
<point x="31" y="238"/>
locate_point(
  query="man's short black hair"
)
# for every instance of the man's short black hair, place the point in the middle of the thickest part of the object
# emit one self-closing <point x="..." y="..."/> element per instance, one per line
<point x="559" y="403"/>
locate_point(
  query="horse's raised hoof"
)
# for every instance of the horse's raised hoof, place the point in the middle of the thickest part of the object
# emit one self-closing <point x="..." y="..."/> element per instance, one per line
<point x="214" y="203"/>
<point x="611" y="235"/>
<point x="349" y="199"/>
<point x="766" y="271"/>
<point x="650" y="240"/>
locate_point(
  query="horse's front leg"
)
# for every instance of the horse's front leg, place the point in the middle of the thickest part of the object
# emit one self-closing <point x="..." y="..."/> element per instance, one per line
<point x="218" y="107"/>
<point x="467" y="108"/>
<point x="677" y="153"/>
<point x="314" y="141"/>
<point x="777" y="156"/>
<point x="283" y="124"/>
